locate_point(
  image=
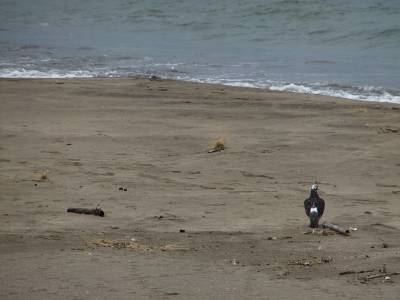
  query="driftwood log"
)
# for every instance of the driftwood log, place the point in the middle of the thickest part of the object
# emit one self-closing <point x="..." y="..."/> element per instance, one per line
<point x="87" y="211"/>
<point x="336" y="228"/>
<point x="366" y="278"/>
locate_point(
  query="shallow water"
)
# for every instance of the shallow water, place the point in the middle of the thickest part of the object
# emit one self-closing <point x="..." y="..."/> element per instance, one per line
<point x="344" y="48"/>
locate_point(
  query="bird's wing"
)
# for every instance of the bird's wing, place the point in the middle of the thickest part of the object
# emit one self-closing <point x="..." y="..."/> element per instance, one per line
<point x="307" y="206"/>
<point x="321" y="206"/>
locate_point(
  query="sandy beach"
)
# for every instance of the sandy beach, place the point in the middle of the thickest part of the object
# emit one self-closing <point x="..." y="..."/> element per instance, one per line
<point x="182" y="223"/>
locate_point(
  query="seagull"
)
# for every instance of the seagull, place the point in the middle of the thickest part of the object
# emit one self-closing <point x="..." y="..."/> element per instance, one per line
<point x="314" y="206"/>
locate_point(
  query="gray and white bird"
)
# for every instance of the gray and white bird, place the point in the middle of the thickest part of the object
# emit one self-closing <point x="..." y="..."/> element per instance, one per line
<point x="314" y="206"/>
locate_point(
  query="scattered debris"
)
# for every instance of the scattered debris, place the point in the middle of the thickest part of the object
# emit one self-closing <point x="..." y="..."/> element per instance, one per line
<point x="336" y="228"/>
<point x="172" y="247"/>
<point x="219" y="146"/>
<point x="44" y="176"/>
<point x="235" y="262"/>
<point x="248" y="174"/>
<point x="87" y="211"/>
<point x="120" y="244"/>
<point x="390" y="129"/>
<point x="133" y="244"/>
<point x="326" y="259"/>
<point x="169" y="217"/>
<point x="300" y="262"/>
<point x="283" y="273"/>
<point x="320" y="232"/>
<point x="307" y="262"/>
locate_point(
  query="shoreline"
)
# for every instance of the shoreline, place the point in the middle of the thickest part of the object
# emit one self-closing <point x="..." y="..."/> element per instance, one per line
<point x="386" y="97"/>
<point x="192" y="222"/>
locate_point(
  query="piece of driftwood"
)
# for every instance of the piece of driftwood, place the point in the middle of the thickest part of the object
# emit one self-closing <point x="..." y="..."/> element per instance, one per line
<point x="355" y="272"/>
<point x="87" y="211"/>
<point x="369" y="277"/>
<point x="336" y="228"/>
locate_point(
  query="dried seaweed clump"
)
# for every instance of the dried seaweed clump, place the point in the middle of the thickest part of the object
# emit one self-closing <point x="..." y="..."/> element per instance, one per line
<point x="218" y="146"/>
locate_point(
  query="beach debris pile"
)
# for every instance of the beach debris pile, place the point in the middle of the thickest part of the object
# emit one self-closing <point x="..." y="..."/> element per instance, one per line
<point x="308" y="262"/>
<point x="133" y="244"/>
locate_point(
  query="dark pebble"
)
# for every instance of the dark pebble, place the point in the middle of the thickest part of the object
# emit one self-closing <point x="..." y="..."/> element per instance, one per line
<point x="385" y="245"/>
<point x="125" y="190"/>
<point x="121" y="188"/>
<point x="35" y="184"/>
<point x="182" y="230"/>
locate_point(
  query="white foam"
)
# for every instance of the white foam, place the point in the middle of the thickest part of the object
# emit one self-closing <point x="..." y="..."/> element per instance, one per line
<point x="298" y="88"/>
<point x="365" y="93"/>
<point x="24" y="73"/>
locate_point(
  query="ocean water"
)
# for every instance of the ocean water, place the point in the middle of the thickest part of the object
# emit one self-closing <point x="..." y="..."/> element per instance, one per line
<point x="344" y="48"/>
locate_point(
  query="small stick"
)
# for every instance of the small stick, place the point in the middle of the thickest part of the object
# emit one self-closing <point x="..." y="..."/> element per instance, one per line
<point x="336" y="228"/>
<point x="87" y="211"/>
<point x="366" y="278"/>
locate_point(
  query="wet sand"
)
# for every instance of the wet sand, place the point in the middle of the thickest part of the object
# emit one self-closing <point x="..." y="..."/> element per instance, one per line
<point x="192" y="224"/>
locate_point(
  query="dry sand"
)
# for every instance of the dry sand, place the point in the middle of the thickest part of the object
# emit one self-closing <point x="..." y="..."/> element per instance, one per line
<point x="75" y="143"/>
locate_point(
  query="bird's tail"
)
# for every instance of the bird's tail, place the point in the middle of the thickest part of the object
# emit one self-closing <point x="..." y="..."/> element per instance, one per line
<point x="314" y="219"/>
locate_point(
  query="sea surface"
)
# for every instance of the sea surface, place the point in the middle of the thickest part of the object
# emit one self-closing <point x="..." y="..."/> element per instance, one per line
<point x="345" y="48"/>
